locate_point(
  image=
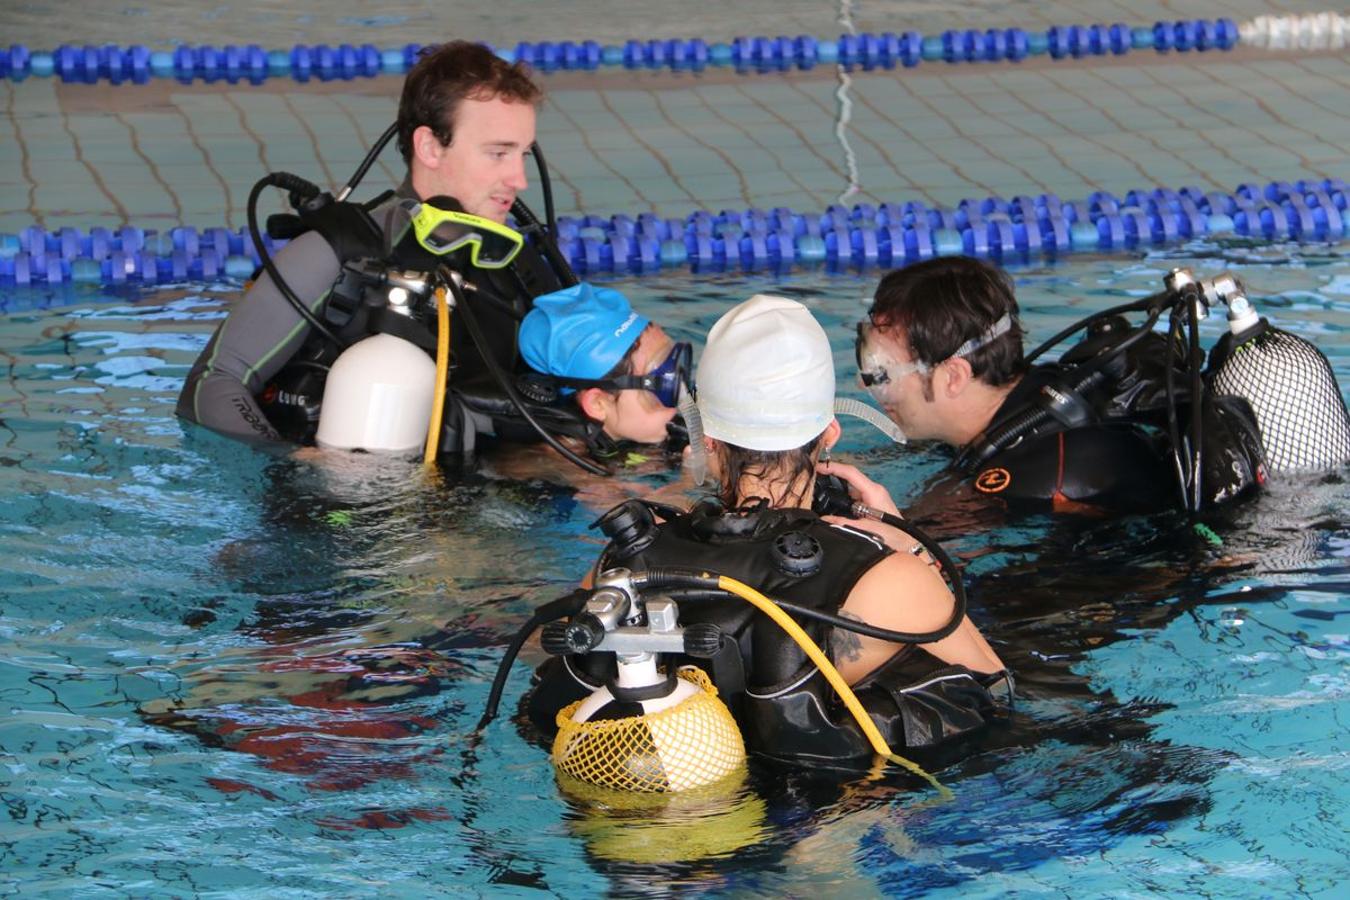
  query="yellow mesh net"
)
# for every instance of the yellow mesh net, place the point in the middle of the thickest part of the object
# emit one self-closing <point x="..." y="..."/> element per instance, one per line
<point x="693" y="743"/>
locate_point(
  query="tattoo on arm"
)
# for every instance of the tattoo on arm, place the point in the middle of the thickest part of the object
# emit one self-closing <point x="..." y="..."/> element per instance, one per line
<point x="847" y="645"/>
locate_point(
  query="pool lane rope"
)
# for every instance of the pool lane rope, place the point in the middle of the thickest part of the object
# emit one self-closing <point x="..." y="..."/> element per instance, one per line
<point x="863" y="235"/>
<point x="138" y="64"/>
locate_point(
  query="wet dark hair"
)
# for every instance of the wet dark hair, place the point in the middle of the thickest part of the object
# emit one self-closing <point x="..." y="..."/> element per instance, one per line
<point x="445" y="75"/>
<point x="942" y="303"/>
<point x="796" y="467"/>
<point x="624" y="367"/>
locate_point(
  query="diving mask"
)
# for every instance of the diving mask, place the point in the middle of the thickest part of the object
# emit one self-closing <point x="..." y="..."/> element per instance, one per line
<point x="665" y="380"/>
<point x="441" y="231"/>
<point x="877" y="370"/>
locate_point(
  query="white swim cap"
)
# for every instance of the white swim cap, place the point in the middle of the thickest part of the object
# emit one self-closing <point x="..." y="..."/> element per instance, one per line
<point x="766" y="377"/>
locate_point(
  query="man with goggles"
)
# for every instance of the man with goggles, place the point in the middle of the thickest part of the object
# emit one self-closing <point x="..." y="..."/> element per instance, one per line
<point x="466" y="124"/>
<point x="941" y="352"/>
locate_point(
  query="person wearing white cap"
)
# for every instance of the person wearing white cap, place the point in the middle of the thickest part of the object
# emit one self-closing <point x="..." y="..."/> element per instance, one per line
<point x="867" y="594"/>
<point x="766" y="398"/>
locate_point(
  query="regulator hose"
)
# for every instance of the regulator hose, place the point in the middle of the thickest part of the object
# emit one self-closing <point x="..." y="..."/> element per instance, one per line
<point x="1076" y="379"/>
<point x="672" y="577"/>
<point x="567" y="605"/>
<point x="504" y="381"/>
<point x="1150" y="303"/>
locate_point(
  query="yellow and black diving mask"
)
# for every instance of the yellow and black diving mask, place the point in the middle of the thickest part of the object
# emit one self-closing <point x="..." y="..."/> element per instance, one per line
<point x="441" y="231"/>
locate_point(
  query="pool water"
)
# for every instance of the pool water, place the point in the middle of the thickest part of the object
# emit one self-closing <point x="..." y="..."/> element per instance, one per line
<point x="228" y="673"/>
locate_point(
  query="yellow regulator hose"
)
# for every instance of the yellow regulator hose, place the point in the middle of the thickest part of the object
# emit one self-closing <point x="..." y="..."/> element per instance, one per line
<point x="442" y="376"/>
<point x="817" y="656"/>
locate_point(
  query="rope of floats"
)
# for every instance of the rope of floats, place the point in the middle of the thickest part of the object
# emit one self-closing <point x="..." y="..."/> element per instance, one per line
<point x="138" y="64"/>
<point x="860" y="236"/>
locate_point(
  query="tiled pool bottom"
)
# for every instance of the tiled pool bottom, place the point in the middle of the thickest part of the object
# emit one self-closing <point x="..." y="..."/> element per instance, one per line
<point x="228" y="674"/>
<point x="165" y="154"/>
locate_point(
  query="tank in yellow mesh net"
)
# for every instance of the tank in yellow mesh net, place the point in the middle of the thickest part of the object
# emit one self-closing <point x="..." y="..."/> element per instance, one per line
<point x="709" y="822"/>
<point x="693" y="743"/>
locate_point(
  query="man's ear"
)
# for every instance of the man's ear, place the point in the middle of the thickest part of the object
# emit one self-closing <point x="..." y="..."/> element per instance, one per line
<point x="427" y="148"/>
<point x="954" y="376"/>
<point x="595" y="403"/>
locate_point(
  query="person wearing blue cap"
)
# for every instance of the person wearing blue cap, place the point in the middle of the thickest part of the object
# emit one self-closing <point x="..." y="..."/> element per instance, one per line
<point x="623" y="371"/>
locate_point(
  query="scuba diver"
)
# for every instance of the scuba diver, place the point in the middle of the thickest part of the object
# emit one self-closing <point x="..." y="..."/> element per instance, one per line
<point x="596" y="361"/>
<point x="854" y="608"/>
<point x="333" y="343"/>
<point x="1125" y="421"/>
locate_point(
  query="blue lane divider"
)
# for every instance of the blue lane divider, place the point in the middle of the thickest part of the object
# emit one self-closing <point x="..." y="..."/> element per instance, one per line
<point x="861" y="236"/>
<point x="138" y="64"/>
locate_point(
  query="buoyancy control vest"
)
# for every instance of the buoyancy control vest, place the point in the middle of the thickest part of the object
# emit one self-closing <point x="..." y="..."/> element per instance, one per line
<point x="359" y="236"/>
<point x="1108" y="446"/>
<point x="783" y="704"/>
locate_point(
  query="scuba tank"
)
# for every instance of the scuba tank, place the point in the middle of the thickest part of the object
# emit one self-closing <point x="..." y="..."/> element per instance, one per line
<point x="380" y="392"/>
<point x="1288" y="382"/>
<point x="378" y="398"/>
<point x="644" y="730"/>
<point x="1266" y="400"/>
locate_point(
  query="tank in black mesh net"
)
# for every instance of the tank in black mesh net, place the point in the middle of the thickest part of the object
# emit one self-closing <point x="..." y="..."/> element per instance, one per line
<point x="1290" y="385"/>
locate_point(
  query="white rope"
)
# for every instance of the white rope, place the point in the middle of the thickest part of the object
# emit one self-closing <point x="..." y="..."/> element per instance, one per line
<point x="846" y="110"/>
<point x="1314" y="31"/>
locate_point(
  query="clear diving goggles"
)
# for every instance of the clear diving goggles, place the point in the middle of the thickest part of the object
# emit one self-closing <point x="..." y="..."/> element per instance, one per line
<point x="441" y="231"/>
<point x="878" y="372"/>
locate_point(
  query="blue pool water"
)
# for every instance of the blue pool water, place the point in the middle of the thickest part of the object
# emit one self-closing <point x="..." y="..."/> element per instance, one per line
<point x="226" y="673"/>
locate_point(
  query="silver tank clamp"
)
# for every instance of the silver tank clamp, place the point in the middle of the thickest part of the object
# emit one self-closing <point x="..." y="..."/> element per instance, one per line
<point x="616" y="620"/>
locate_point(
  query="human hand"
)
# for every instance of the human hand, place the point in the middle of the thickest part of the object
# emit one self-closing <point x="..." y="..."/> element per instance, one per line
<point x="860" y="487"/>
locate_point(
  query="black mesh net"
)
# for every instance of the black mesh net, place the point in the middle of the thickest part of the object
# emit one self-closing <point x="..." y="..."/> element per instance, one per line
<point x="1298" y="404"/>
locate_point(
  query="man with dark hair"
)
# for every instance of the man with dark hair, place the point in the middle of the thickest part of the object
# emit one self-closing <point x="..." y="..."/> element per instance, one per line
<point x="941" y="352"/>
<point x="466" y="123"/>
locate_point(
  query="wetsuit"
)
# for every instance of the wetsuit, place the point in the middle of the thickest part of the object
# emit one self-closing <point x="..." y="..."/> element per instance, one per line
<point x="1120" y="458"/>
<point x="783" y="704"/>
<point x="260" y="352"/>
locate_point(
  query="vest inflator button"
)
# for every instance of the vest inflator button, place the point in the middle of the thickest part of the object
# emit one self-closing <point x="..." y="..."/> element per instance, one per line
<point x="797" y="554"/>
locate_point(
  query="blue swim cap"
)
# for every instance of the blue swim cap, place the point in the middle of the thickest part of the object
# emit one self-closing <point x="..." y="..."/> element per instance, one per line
<point x="579" y="332"/>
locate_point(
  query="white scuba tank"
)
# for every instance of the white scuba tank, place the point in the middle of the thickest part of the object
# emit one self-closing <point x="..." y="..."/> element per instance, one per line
<point x="635" y="676"/>
<point x="378" y="398"/>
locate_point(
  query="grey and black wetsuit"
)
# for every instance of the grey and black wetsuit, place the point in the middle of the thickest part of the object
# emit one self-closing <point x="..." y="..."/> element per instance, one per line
<point x="263" y="334"/>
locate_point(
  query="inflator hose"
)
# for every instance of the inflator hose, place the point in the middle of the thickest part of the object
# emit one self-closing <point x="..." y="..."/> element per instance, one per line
<point x="546" y="186"/>
<point x="442" y="377"/>
<point x="526" y="217"/>
<point x="504" y="381"/>
<point x="295" y="184"/>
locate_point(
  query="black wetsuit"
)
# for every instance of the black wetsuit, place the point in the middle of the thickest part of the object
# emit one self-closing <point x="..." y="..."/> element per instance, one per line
<point x="246" y="360"/>
<point x="1120" y="459"/>
<point x="782" y="702"/>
